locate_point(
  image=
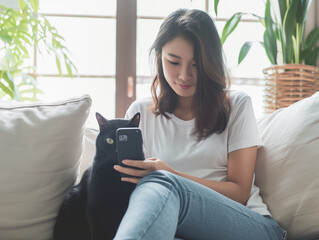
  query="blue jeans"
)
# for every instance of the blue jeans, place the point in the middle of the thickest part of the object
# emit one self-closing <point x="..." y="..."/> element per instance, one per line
<point x="164" y="205"/>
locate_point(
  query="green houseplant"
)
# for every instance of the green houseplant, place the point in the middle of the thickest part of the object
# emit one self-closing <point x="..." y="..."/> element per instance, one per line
<point x="21" y="30"/>
<point x="293" y="54"/>
<point x="284" y="22"/>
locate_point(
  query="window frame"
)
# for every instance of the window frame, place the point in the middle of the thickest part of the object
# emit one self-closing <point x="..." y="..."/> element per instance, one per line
<point x="126" y="35"/>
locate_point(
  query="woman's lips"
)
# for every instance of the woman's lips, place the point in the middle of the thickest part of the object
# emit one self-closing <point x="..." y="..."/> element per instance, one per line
<point x="184" y="87"/>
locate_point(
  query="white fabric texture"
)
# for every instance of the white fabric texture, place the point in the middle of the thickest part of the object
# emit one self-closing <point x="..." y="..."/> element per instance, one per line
<point x="89" y="150"/>
<point x="287" y="170"/>
<point x="41" y="146"/>
<point x="172" y="141"/>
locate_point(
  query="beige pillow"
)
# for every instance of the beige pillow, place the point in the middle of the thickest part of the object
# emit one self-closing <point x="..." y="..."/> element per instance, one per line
<point x="40" y="148"/>
<point x="287" y="170"/>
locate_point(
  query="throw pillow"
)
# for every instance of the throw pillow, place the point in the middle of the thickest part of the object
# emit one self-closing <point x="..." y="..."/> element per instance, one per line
<point x="40" y="146"/>
<point x="287" y="169"/>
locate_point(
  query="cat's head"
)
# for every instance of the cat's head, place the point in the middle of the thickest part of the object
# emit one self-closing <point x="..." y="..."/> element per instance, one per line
<point x="106" y="139"/>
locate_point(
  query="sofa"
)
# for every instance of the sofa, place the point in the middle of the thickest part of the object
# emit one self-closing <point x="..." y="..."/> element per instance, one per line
<point x="45" y="147"/>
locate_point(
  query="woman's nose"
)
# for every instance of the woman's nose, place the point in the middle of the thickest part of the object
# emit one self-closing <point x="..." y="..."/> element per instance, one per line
<point x="185" y="74"/>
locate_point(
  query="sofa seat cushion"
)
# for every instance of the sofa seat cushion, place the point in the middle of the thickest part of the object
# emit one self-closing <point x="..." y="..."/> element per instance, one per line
<point x="287" y="168"/>
<point x="40" y="146"/>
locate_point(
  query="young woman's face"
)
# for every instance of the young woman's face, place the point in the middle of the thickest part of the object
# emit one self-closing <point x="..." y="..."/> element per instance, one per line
<point x="179" y="66"/>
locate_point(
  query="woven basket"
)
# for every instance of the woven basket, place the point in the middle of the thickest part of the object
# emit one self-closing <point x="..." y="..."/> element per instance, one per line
<point x="287" y="84"/>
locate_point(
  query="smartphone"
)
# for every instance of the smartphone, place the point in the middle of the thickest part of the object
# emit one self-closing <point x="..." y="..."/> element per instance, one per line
<point x="129" y="144"/>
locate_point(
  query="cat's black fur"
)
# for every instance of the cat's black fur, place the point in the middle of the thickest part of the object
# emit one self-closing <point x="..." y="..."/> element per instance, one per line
<point x="93" y="209"/>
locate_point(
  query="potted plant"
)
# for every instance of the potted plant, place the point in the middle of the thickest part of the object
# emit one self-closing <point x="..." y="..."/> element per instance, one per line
<point x="21" y="30"/>
<point x="293" y="55"/>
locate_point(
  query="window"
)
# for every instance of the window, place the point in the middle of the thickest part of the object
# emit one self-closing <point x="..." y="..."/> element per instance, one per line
<point x="89" y="29"/>
<point x="248" y="76"/>
<point x="111" y="64"/>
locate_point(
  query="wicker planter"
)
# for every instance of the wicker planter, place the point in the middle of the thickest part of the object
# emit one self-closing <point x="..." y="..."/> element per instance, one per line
<point x="287" y="84"/>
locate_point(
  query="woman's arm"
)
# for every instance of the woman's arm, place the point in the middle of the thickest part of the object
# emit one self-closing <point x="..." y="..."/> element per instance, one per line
<point x="241" y="165"/>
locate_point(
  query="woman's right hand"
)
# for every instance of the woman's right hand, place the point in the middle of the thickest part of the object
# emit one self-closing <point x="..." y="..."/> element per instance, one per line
<point x="146" y="166"/>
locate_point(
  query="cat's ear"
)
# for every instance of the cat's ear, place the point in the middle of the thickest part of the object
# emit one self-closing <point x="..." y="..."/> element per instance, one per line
<point x="135" y="121"/>
<point x="103" y="122"/>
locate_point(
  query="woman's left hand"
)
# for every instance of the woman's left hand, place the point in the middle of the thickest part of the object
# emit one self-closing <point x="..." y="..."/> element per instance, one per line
<point x="146" y="166"/>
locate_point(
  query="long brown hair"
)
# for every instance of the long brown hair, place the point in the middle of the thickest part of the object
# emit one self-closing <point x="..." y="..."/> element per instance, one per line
<point x="211" y="104"/>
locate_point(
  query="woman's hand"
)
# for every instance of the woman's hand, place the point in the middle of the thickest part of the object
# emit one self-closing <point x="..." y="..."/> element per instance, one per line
<point x="146" y="166"/>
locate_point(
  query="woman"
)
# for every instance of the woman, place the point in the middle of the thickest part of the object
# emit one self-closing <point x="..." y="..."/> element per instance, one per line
<point x="200" y="145"/>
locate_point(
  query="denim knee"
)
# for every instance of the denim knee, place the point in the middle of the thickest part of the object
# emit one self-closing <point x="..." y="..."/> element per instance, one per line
<point x="162" y="177"/>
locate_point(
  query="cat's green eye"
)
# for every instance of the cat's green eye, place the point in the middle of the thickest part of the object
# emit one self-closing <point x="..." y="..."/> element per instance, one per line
<point x="109" y="140"/>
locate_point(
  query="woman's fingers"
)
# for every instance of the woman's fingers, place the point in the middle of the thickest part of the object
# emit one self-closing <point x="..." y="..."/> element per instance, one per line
<point x="144" y="167"/>
<point x="131" y="171"/>
<point x="138" y="174"/>
<point x="131" y="180"/>
<point x="135" y="163"/>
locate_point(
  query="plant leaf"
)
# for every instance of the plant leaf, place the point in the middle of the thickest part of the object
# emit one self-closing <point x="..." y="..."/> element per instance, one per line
<point x="261" y="19"/>
<point x="4" y="36"/>
<point x="25" y="51"/>
<point x="7" y="90"/>
<point x="303" y="8"/>
<point x="23" y="36"/>
<point x="295" y="50"/>
<point x="68" y="65"/>
<point x="231" y="25"/>
<point x="282" y="9"/>
<point x="8" y="80"/>
<point x="16" y="93"/>
<point x="312" y="38"/>
<point x="22" y="4"/>
<point x="289" y="27"/>
<point x="58" y="64"/>
<point x="270" y="38"/>
<point x="270" y="48"/>
<point x="310" y="56"/>
<point x="35" y="5"/>
<point x="216" y="2"/>
<point x="22" y="29"/>
<point x="244" y="50"/>
<point x="305" y="54"/>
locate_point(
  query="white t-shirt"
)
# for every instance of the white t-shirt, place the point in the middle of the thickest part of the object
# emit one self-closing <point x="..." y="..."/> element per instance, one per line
<point x="172" y="141"/>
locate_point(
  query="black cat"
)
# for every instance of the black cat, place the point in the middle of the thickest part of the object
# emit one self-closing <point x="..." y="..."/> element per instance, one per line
<point x="93" y="209"/>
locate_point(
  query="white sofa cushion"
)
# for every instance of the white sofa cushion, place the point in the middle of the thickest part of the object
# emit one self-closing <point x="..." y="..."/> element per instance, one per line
<point x="287" y="169"/>
<point x="40" y="146"/>
<point x="89" y="150"/>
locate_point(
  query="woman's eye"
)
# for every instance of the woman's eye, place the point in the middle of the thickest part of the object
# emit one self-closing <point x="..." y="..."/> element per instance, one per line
<point x="173" y="63"/>
<point x="109" y="140"/>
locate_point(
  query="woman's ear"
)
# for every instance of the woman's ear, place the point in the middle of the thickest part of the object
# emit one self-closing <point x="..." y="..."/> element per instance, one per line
<point x="135" y="121"/>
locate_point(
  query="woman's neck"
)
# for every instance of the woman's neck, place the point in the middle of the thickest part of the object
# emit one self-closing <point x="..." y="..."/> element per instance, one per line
<point x="184" y="109"/>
